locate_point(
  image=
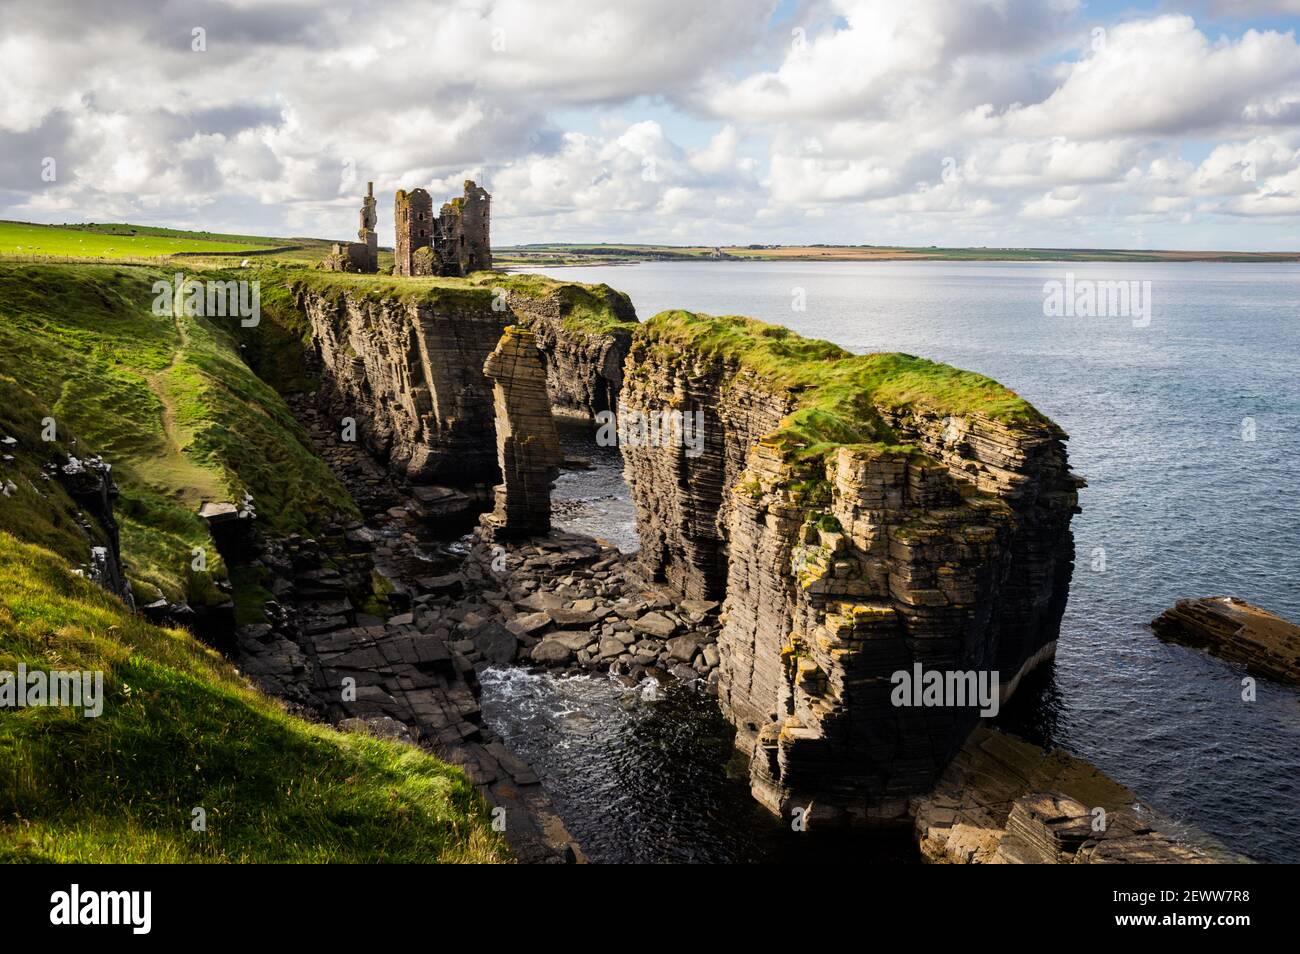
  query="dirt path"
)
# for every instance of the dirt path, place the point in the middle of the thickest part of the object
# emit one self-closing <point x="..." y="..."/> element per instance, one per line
<point x="175" y="473"/>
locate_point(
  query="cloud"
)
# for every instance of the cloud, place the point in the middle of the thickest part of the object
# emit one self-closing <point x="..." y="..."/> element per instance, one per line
<point x="671" y="120"/>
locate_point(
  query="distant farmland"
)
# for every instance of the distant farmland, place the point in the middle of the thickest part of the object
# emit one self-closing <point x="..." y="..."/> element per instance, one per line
<point x="114" y="241"/>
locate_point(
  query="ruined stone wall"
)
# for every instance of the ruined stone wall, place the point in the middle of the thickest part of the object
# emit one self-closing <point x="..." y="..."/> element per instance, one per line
<point x="452" y="244"/>
<point x="463" y="228"/>
<point x="842" y="569"/>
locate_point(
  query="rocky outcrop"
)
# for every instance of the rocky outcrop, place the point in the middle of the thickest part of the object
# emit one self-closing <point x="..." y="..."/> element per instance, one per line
<point x="1004" y="801"/>
<point x="584" y="333"/>
<point x="1240" y="632"/>
<point x="862" y="516"/>
<point x="528" y="450"/>
<point x="89" y="482"/>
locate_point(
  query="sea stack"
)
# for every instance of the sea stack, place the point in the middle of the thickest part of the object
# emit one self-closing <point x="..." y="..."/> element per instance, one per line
<point x="528" y="449"/>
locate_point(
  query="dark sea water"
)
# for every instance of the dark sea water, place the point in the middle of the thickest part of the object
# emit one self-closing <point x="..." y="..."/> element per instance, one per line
<point x="1180" y="503"/>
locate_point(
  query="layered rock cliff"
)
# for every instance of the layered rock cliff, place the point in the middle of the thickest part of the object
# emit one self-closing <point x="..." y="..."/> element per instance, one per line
<point x="404" y="360"/>
<point x="861" y="515"/>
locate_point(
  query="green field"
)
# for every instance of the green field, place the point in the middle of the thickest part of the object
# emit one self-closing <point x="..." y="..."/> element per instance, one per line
<point x="24" y="240"/>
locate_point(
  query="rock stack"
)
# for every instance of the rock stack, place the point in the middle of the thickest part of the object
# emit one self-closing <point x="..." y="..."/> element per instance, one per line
<point x="528" y="449"/>
<point x="873" y="535"/>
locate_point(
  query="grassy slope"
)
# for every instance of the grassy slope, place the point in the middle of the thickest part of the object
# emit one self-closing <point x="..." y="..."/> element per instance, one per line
<point x="180" y="730"/>
<point x="167" y="401"/>
<point x="838" y="392"/>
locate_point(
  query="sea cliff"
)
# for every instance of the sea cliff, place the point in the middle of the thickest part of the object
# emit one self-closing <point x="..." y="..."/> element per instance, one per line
<point x="860" y="515"/>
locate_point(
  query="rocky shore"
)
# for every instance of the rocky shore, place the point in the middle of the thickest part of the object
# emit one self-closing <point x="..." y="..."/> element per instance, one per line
<point x="372" y="667"/>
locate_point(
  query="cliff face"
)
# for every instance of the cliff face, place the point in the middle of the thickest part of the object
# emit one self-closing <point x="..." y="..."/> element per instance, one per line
<point x="410" y="373"/>
<point x="861" y="516"/>
<point x="683" y="502"/>
<point x="406" y="360"/>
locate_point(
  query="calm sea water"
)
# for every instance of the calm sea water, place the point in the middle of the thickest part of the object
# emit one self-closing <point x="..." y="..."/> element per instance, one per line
<point x="1188" y="432"/>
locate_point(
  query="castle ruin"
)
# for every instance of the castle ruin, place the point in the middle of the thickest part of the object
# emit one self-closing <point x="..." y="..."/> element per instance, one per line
<point x="453" y="243"/>
<point x="362" y="256"/>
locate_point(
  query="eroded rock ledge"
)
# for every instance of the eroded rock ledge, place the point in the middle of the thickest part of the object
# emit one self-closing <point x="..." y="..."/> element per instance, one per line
<point x="1004" y="801"/>
<point x="860" y="514"/>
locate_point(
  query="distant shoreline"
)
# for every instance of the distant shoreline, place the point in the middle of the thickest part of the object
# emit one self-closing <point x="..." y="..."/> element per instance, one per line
<point x="560" y="255"/>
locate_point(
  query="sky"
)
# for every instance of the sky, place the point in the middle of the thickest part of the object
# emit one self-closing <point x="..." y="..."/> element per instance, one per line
<point x="1046" y="123"/>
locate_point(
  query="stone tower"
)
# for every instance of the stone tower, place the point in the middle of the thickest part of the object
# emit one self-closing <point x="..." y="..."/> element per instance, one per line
<point x="465" y="226"/>
<point x="528" y="448"/>
<point x="415" y="225"/>
<point x="361" y="256"/>
<point x="366" y="233"/>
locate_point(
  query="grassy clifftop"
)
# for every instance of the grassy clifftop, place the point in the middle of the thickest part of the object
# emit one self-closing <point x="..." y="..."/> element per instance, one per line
<point x="597" y="309"/>
<point x="840" y="395"/>
<point x="181" y="730"/>
<point x="170" y="402"/>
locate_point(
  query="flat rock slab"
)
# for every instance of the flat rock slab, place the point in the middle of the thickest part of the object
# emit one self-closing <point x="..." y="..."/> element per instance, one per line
<point x="572" y="640"/>
<point x="1005" y="801"/>
<point x="1232" y="629"/>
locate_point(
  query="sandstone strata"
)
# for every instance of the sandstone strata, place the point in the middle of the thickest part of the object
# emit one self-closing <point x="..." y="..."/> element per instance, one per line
<point x="528" y="450"/>
<point x="853" y="534"/>
<point x="1240" y="632"/>
<point x="1004" y="801"/>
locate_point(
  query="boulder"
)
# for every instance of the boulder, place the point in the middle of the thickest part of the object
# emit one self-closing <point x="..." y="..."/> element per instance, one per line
<point x="684" y="647"/>
<point x="497" y="644"/>
<point x="551" y="652"/>
<point x="655" y="624"/>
